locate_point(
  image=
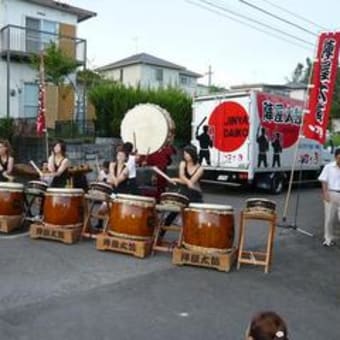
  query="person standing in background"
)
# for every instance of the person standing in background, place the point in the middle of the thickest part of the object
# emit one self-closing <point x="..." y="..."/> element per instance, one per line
<point x="330" y="180"/>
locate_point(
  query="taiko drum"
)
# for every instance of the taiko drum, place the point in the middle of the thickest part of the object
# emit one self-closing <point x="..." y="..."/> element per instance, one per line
<point x="11" y="199"/>
<point x="208" y="227"/>
<point x="64" y="207"/>
<point x="132" y="217"/>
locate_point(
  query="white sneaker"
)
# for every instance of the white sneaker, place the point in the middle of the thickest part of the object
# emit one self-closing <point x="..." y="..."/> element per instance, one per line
<point x="328" y="243"/>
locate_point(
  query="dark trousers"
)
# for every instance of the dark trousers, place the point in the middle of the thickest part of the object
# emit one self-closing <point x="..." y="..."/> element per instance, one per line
<point x="276" y="160"/>
<point x="204" y="154"/>
<point x="262" y="158"/>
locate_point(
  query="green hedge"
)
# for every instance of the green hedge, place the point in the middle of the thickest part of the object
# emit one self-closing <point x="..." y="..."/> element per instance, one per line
<point x="113" y="100"/>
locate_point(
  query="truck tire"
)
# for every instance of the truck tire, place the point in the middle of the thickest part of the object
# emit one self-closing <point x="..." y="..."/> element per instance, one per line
<point x="276" y="185"/>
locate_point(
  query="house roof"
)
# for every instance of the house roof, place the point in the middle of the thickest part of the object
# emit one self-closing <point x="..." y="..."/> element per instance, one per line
<point x="147" y="59"/>
<point x="82" y="14"/>
<point x="190" y="74"/>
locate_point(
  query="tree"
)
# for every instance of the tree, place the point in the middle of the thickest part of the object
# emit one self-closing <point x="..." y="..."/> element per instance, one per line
<point x="58" y="66"/>
<point x="112" y="100"/>
<point x="301" y="73"/>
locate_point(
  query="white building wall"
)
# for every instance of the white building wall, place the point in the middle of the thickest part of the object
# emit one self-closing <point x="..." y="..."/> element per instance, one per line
<point x="145" y="76"/>
<point x="20" y="74"/>
<point x="148" y="80"/>
<point x="14" y="12"/>
<point x="131" y="75"/>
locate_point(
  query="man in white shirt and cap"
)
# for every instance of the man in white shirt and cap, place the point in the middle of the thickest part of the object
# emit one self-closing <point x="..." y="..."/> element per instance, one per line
<point x="330" y="180"/>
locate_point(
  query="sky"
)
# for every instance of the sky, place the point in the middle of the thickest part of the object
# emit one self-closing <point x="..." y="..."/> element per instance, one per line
<point x="180" y="32"/>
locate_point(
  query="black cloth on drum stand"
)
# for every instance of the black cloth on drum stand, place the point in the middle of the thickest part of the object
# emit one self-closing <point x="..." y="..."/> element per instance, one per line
<point x="80" y="182"/>
<point x="4" y="166"/>
<point x="132" y="186"/>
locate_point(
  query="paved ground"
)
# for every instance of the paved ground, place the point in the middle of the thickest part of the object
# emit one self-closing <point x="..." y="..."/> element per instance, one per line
<point x="52" y="291"/>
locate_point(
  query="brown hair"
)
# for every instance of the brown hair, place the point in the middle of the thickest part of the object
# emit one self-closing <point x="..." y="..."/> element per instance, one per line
<point x="7" y="145"/>
<point x="62" y="146"/>
<point x="268" y="326"/>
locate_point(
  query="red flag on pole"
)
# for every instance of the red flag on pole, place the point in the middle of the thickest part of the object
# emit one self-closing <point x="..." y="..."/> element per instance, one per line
<point x="323" y="81"/>
<point x="41" y="123"/>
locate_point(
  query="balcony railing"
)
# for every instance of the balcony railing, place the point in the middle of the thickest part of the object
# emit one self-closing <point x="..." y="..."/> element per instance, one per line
<point x="19" y="41"/>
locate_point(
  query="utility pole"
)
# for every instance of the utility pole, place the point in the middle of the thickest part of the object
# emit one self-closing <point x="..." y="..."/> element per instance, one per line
<point x="209" y="76"/>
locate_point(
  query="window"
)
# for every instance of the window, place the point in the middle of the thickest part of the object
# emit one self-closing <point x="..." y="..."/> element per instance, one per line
<point x="121" y="75"/>
<point x="40" y="33"/>
<point x="159" y="75"/>
<point x="184" y="80"/>
<point x="31" y="93"/>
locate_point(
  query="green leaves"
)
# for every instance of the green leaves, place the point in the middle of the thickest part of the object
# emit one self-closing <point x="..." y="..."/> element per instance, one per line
<point x="57" y="64"/>
<point x="113" y="100"/>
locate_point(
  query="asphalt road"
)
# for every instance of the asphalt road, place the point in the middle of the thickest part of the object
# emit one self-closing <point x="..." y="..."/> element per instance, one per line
<point x="53" y="291"/>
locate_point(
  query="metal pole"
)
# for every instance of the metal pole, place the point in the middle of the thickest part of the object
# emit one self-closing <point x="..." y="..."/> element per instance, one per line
<point x="285" y="210"/>
<point x="8" y="73"/>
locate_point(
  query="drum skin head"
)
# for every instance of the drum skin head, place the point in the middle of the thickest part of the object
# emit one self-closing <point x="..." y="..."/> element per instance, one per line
<point x="203" y="206"/>
<point x="147" y="124"/>
<point x="11" y="185"/>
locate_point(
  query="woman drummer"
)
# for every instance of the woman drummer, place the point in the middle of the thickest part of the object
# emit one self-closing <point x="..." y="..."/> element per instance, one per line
<point x="118" y="177"/>
<point x="6" y="160"/>
<point x="190" y="173"/>
<point x="119" y="174"/>
<point x="58" y="165"/>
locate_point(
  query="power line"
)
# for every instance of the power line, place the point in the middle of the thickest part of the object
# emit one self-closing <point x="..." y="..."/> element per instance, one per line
<point x="277" y="17"/>
<point x="246" y="24"/>
<point x="295" y="15"/>
<point x="225" y="9"/>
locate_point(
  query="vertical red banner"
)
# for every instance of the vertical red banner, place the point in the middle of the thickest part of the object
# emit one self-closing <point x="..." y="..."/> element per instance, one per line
<point x="323" y="81"/>
<point x="41" y="122"/>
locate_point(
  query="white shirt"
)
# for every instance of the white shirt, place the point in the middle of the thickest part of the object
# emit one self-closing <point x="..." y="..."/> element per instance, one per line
<point x="331" y="175"/>
<point x="102" y="176"/>
<point x="131" y="165"/>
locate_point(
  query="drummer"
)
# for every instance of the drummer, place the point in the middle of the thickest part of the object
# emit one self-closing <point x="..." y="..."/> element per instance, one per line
<point x="190" y="173"/>
<point x="162" y="159"/>
<point x="118" y="175"/>
<point x="132" y="158"/>
<point x="104" y="172"/>
<point x="6" y="160"/>
<point x="58" y="165"/>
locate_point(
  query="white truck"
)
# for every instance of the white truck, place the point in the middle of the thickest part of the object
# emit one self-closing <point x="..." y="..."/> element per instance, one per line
<point x="251" y="137"/>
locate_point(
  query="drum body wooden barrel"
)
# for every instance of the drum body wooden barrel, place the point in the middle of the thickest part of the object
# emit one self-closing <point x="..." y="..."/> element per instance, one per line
<point x="208" y="227"/>
<point x="11" y="199"/>
<point x="64" y="208"/>
<point x="132" y="217"/>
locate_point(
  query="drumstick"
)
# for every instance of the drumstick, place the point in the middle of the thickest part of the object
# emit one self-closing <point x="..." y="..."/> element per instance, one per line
<point x="161" y="173"/>
<point x="97" y="166"/>
<point x="36" y="168"/>
<point x="134" y="141"/>
<point x="10" y="178"/>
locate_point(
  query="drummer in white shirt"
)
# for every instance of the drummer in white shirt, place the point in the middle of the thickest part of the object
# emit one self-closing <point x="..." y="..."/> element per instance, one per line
<point x="131" y="165"/>
<point x="330" y="179"/>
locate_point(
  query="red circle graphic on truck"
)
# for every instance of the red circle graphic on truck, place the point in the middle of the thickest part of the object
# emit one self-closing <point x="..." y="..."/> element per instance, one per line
<point x="229" y="126"/>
